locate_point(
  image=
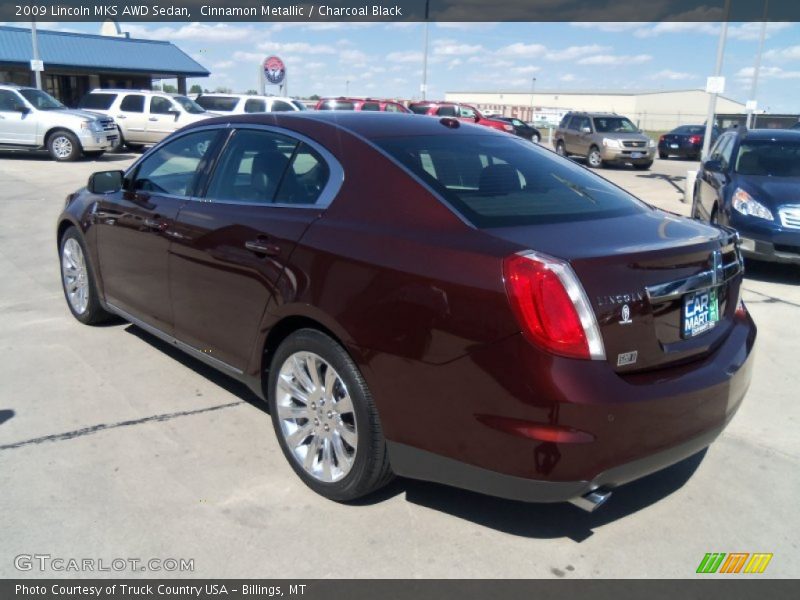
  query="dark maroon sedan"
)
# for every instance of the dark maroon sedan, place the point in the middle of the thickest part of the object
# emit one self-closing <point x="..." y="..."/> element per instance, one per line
<point x="422" y="297"/>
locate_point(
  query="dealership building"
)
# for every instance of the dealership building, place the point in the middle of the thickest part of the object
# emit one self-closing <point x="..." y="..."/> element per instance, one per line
<point x="651" y="110"/>
<point x="75" y="63"/>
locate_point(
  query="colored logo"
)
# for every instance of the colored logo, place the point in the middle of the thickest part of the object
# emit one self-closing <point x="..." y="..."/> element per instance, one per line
<point x="274" y="70"/>
<point x="735" y="562"/>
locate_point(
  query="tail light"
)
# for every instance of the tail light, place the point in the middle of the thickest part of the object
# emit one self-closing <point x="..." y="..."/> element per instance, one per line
<point x="661" y="139"/>
<point x="695" y="139"/>
<point x="551" y="306"/>
<point x="741" y="310"/>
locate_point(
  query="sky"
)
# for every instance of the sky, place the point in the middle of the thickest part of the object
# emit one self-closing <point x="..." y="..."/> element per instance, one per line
<point x="385" y="59"/>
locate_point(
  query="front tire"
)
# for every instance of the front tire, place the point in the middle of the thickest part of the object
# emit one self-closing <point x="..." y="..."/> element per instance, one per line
<point x="561" y="150"/>
<point x="326" y="422"/>
<point x="63" y="146"/>
<point x="536" y="138"/>
<point x="77" y="280"/>
<point x="594" y="158"/>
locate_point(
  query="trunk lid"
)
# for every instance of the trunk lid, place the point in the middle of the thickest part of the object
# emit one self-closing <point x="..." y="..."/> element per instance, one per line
<point x="636" y="271"/>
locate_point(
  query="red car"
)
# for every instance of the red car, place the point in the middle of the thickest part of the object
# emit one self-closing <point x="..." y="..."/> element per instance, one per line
<point x="463" y="112"/>
<point x="358" y="104"/>
<point x="422" y="297"/>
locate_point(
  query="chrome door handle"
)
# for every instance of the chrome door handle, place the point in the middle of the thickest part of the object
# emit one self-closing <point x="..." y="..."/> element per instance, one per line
<point x="262" y="247"/>
<point x="152" y="119"/>
<point x="121" y="117"/>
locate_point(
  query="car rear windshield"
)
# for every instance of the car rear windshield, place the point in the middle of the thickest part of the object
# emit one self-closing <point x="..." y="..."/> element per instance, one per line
<point x="614" y="125"/>
<point x="690" y="129"/>
<point x="500" y="181"/>
<point x="217" y="103"/>
<point x="769" y="158"/>
<point x="337" y="105"/>
<point x="97" y="101"/>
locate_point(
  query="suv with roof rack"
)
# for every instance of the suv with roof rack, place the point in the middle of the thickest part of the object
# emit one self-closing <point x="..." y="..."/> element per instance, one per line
<point x="31" y="119"/>
<point x="604" y="138"/>
<point x="144" y="117"/>
<point x="238" y="104"/>
<point x="360" y="104"/>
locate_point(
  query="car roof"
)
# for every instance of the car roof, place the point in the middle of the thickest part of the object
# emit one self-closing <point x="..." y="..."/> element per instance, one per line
<point x="243" y="96"/>
<point x="778" y="135"/>
<point x="371" y="125"/>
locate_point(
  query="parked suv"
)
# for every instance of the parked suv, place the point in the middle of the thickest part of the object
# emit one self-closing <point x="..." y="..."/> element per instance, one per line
<point x="603" y="138"/>
<point x="359" y="104"/>
<point x="237" y="104"/>
<point x="144" y="116"/>
<point x="32" y="119"/>
<point x="463" y="112"/>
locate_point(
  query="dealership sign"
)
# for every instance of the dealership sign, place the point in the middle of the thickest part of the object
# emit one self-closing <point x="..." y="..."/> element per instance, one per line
<point x="274" y="70"/>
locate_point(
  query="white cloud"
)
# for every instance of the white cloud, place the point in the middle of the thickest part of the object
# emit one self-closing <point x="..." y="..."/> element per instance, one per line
<point x="482" y="26"/>
<point x="608" y="27"/>
<point x="296" y="48"/>
<point x="789" y="53"/>
<point x="356" y="58"/>
<point x="222" y="64"/>
<point x="767" y="73"/>
<point x="575" y="52"/>
<point x="407" y="56"/>
<point x="530" y="69"/>
<point x="523" y="50"/>
<point x="615" y="59"/>
<point x="219" y="32"/>
<point x="743" y="31"/>
<point x="672" y="75"/>
<point x="453" y="48"/>
<point x="567" y="77"/>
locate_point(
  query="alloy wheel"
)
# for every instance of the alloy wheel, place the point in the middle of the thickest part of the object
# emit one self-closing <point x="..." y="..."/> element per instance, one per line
<point x="62" y="146"/>
<point x="316" y="416"/>
<point x="76" y="276"/>
<point x="594" y="158"/>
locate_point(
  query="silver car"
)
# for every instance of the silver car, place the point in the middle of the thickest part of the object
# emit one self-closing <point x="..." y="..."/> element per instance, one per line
<point x="31" y="119"/>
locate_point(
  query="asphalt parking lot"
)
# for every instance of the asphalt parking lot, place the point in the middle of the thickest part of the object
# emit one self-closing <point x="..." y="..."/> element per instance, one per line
<point x="113" y="445"/>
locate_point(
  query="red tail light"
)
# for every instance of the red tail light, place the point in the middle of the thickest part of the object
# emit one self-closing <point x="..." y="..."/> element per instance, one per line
<point x="551" y="306"/>
<point x="695" y="139"/>
<point x="661" y="139"/>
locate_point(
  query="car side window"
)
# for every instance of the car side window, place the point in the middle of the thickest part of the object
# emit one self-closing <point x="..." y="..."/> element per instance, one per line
<point x="727" y="152"/>
<point x="281" y="106"/>
<point x="722" y="150"/>
<point x="251" y="168"/>
<point x="160" y="105"/>
<point x="446" y="111"/>
<point x="390" y="107"/>
<point x="132" y="103"/>
<point x="371" y="106"/>
<point x="305" y="178"/>
<point x="581" y="122"/>
<point x="173" y="168"/>
<point x="8" y="100"/>
<point x="466" y="112"/>
<point x="254" y="105"/>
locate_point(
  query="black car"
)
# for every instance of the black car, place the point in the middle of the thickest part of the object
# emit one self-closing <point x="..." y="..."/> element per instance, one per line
<point x="750" y="181"/>
<point x="521" y="129"/>
<point x="685" y="141"/>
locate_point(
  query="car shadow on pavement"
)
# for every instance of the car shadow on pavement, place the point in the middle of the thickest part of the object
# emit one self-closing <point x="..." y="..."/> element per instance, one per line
<point x="772" y="272"/>
<point x="676" y="181"/>
<point x="544" y="521"/>
<point x="229" y="384"/>
<point x="5" y="415"/>
<point x="43" y="156"/>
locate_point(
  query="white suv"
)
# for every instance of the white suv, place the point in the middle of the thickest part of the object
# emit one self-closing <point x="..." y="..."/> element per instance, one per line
<point x="144" y="116"/>
<point x="31" y="119"/>
<point x="237" y="104"/>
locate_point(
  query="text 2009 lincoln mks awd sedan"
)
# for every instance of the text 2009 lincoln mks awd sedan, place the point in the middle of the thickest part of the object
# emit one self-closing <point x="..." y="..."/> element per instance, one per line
<point x="423" y="297"/>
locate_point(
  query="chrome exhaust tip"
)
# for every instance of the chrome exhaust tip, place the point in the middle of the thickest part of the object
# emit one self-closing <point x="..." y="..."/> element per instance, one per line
<point x="592" y="501"/>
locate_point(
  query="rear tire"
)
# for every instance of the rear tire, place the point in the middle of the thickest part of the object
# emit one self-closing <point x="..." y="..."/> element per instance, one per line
<point x="63" y="146"/>
<point x="536" y="138"/>
<point x="134" y="147"/>
<point x="324" y="417"/>
<point x="663" y="156"/>
<point x="119" y="145"/>
<point x="77" y="280"/>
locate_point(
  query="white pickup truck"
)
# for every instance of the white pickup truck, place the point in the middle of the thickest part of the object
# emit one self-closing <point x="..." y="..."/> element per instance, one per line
<point x="31" y="119"/>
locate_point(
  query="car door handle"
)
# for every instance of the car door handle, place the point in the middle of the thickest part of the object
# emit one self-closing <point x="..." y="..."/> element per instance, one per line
<point x="262" y="246"/>
<point x="152" y="119"/>
<point x="121" y="117"/>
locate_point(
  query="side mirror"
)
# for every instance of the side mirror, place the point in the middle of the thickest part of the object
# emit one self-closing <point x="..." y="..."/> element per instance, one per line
<point x="21" y="108"/>
<point x="586" y="130"/>
<point x="713" y="166"/>
<point x="476" y="118"/>
<point x="105" y="182"/>
<point x="174" y="113"/>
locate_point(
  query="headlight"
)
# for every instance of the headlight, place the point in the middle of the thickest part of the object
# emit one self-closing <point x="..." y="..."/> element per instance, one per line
<point x="652" y="144"/>
<point x="612" y="143"/>
<point x="91" y="125"/>
<point x="744" y="203"/>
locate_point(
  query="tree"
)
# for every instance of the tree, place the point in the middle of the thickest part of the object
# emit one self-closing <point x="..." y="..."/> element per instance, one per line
<point x="169" y="88"/>
<point x="251" y="93"/>
<point x="314" y="97"/>
<point x="196" y="89"/>
<point x="222" y="90"/>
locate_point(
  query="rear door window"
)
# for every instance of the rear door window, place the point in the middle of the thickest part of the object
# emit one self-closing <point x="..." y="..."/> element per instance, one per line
<point x="446" y="111"/>
<point x="498" y="182"/>
<point x="132" y="103"/>
<point x="255" y="105"/>
<point x="371" y="106"/>
<point x="218" y="103"/>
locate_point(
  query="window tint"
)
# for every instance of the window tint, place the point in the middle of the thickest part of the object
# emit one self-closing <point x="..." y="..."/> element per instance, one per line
<point x="218" y="103"/>
<point x="160" y="105"/>
<point x="252" y="167"/>
<point x="498" y="182"/>
<point x="419" y="109"/>
<point x="614" y="125"/>
<point x="97" y="101"/>
<point x="305" y="178"/>
<point x="446" y="111"/>
<point x="281" y="106"/>
<point x="254" y="105"/>
<point x="466" y="112"/>
<point x="172" y="168"/>
<point x="769" y="158"/>
<point x="372" y="106"/>
<point x="8" y="100"/>
<point x="391" y="107"/>
<point x="722" y="150"/>
<point x="132" y="103"/>
<point x="580" y="122"/>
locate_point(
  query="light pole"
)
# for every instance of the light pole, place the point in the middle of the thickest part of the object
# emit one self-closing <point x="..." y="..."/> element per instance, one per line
<point x="712" y="100"/>
<point x="35" y="44"/>
<point x="533" y="87"/>
<point x="423" y="88"/>
<point x="754" y="87"/>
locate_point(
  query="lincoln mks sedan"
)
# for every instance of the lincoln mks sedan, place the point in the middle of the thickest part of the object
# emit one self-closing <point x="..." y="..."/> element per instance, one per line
<point x="422" y="297"/>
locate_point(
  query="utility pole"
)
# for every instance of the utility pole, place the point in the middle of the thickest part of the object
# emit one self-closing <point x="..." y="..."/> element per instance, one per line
<point x="35" y="44"/>
<point x="712" y="100"/>
<point x="423" y="88"/>
<point x="754" y="87"/>
<point x="533" y="87"/>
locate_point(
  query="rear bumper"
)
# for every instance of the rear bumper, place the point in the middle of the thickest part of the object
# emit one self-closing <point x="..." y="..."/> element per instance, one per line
<point x="638" y="424"/>
<point x="688" y="150"/>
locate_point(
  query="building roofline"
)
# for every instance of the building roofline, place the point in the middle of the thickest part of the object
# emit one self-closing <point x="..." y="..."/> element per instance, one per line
<point x="84" y="35"/>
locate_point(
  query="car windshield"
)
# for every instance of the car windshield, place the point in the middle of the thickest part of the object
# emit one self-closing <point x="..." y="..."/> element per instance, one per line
<point x="299" y="105"/>
<point x="189" y="105"/>
<point x="499" y="181"/>
<point x="614" y="125"/>
<point x="769" y="158"/>
<point x="41" y="100"/>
